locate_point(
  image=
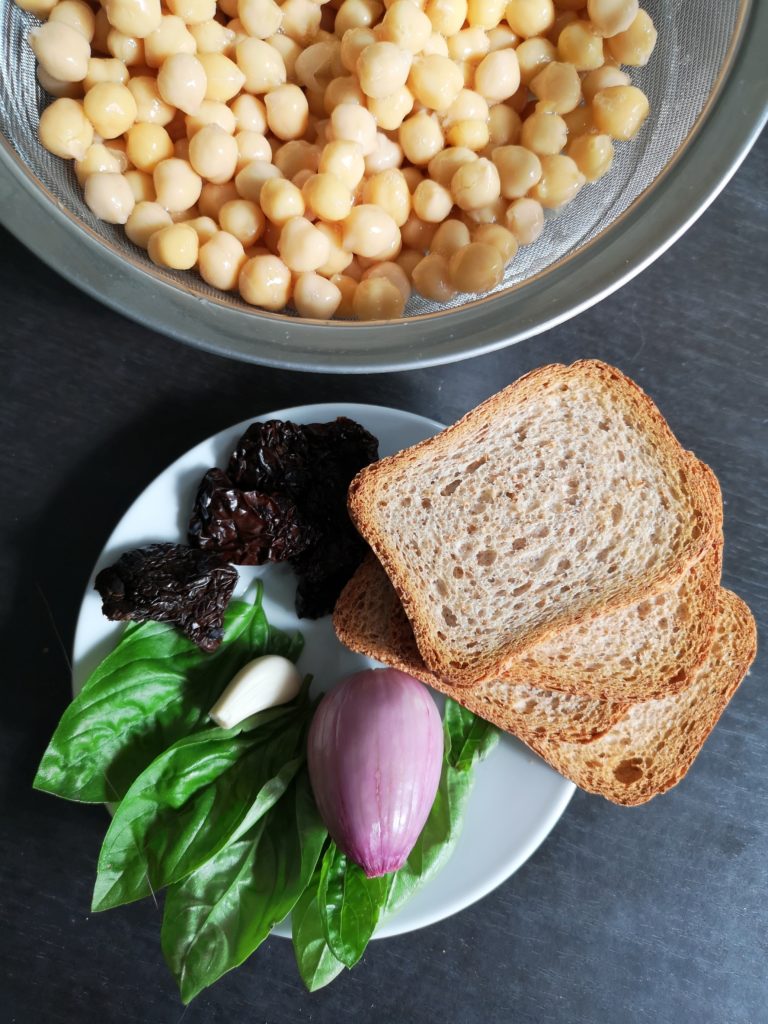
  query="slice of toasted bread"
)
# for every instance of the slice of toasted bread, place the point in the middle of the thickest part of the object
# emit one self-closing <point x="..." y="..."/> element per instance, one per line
<point x="370" y="619"/>
<point x="563" y="497"/>
<point x="656" y="742"/>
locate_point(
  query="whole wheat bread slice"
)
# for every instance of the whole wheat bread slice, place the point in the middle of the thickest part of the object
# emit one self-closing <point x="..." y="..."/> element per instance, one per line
<point x="563" y="497"/>
<point x="369" y="619"/>
<point x="656" y="742"/>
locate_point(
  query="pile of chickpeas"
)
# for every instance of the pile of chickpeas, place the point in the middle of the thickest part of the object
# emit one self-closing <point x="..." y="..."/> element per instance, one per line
<point x="334" y="156"/>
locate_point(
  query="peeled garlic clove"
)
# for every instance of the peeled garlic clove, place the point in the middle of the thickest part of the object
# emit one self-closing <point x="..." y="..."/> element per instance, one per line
<point x="262" y="683"/>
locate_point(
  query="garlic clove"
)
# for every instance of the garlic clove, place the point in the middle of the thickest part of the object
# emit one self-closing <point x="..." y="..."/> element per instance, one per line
<point x="262" y="683"/>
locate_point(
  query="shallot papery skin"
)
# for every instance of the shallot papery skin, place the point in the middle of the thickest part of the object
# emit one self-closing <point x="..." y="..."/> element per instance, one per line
<point x="375" y="752"/>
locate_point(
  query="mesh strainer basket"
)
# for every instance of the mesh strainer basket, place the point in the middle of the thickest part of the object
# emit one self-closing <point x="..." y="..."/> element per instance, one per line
<point x="708" y="91"/>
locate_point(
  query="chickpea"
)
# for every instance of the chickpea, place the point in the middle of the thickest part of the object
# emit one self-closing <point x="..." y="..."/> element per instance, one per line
<point x="475" y="184"/>
<point x="144" y="220"/>
<point x="344" y="159"/>
<point x="491" y="213"/>
<point x="170" y="37"/>
<point x="105" y="69"/>
<point x="394" y="274"/>
<point x="382" y="69"/>
<point x="287" y="111"/>
<point x="471" y="44"/>
<point x="339" y="258"/>
<point x="347" y="286"/>
<point x="250" y="180"/>
<point x="150" y="106"/>
<point x="316" y="65"/>
<point x="498" y="76"/>
<point x="476" y="267"/>
<point x="558" y="86"/>
<point x="432" y="202"/>
<point x="281" y="201"/>
<point x="65" y="131"/>
<point x="77" y="14"/>
<point x="431" y="277"/>
<point x="421" y="138"/>
<point x="602" y="78"/>
<point x="416" y="233"/>
<point x="443" y="165"/>
<point x="212" y="37"/>
<point x="111" y="109"/>
<point x="193" y="12"/>
<point x="387" y="154"/>
<point x="530" y="17"/>
<point x="580" y="121"/>
<point x="369" y="230"/>
<point x="635" y="45"/>
<point x="620" y="111"/>
<point x="99" y="157"/>
<point x="210" y="112"/>
<point x="612" y="16"/>
<point x="357" y="14"/>
<point x="498" y="236"/>
<point x="250" y="113"/>
<point x="504" y="126"/>
<point x="260" y="18"/>
<point x="147" y="145"/>
<point x="175" y="247"/>
<point x="560" y="181"/>
<point x="62" y="51"/>
<point x="352" y="123"/>
<point x="502" y="37"/>
<point x="127" y="49"/>
<point x="485" y="14"/>
<point x="592" y="154"/>
<point x="327" y="197"/>
<point x="376" y="298"/>
<point x="436" y="45"/>
<point x="134" y="17"/>
<point x="109" y="196"/>
<point x="391" y="111"/>
<point x="262" y="65"/>
<point x="473" y="134"/>
<point x="288" y="49"/>
<point x="220" y="261"/>
<point x="66" y="90"/>
<point x="243" y="220"/>
<point x="296" y="155"/>
<point x="532" y="56"/>
<point x="435" y="81"/>
<point x="389" y="191"/>
<point x="265" y="281"/>
<point x="251" y="146"/>
<point x="181" y="82"/>
<point x="223" y="77"/>
<point x="412" y="177"/>
<point x="519" y="170"/>
<point x="40" y="8"/>
<point x="406" y="26"/>
<point x="301" y="246"/>
<point x="213" y="197"/>
<point x="581" y="45"/>
<point x="301" y="20"/>
<point x="213" y="154"/>
<point x="315" y="297"/>
<point x="408" y="260"/>
<point x="447" y="16"/>
<point x="177" y="186"/>
<point x="204" y="227"/>
<point x="544" y="133"/>
<point x="353" y="42"/>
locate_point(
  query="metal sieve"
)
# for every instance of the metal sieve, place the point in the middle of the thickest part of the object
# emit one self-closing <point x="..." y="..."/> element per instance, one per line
<point x="708" y="90"/>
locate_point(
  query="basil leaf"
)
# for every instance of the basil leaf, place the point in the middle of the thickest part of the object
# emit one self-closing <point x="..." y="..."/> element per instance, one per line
<point x="467" y="737"/>
<point x="317" y="964"/>
<point x="193" y="799"/>
<point x="350" y="905"/>
<point x="152" y="689"/>
<point x="222" y="912"/>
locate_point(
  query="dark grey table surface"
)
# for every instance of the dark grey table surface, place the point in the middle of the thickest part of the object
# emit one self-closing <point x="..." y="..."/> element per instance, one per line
<point x="641" y="916"/>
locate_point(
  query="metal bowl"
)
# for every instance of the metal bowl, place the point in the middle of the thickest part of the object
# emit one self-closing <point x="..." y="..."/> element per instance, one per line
<point x="709" y="99"/>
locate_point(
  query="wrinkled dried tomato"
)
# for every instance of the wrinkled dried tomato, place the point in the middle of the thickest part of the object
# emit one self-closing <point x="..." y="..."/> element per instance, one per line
<point x="170" y="583"/>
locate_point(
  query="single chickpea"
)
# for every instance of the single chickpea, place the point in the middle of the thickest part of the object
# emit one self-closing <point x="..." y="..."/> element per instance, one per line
<point x="485" y="14"/>
<point x="243" y="220"/>
<point x="212" y="37"/>
<point x="287" y="111"/>
<point x="383" y="68"/>
<point x="580" y="121"/>
<point x="344" y="89"/>
<point x="65" y="130"/>
<point x="147" y="145"/>
<point x="581" y="45"/>
<point x="476" y="267"/>
<point x="210" y="112"/>
<point x="558" y="86"/>
<point x="301" y="20"/>
<point x="431" y="277"/>
<point x="635" y="45"/>
<point x="109" y="196"/>
<point x="394" y="274"/>
<point x="347" y="286"/>
<point x="170" y="37"/>
<point x="339" y="259"/>
<point x="144" y="220"/>
<point x="213" y="197"/>
<point x="262" y="65"/>
<point x="416" y="233"/>
<point x="498" y="236"/>
<point x="260" y="18"/>
<point x="344" y="159"/>
<point x="498" y="76"/>
<point x="357" y="14"/>
<point x="519" y="170"/>
<point x="134" y="17"/>
<point x="352" y="123"/>
<point x="412" y="177"/>
<point x="213" y="154"/>
<point x="105" y="69"/>
<point x="51" y="85"/>
<point x="250" y="180"/>
<point x="297" y="155"/>
<point x="388" y="190"/>
<point x="432" y="202"/>
<point x="99" y="157"/>
<point x="281" y="201"/>
<point x="544" y="133"/>
<point x="250" y="113"/>
<point x="77" y="14"/>
<point x="533" y="55"/>
<point x="435" y="81"/>
<point x="301" y="246"/>
<point x="177" y="186"/>
<point x="525" y="219"/>
<point x="251" y="146"/>
<point x="471" y="44"/>
<point x="530" y="17"/>
<point x="377" y="298"/>
<point x="193" y="12"/>
<point x="369" y="230"/>
<point x="127" y="49"/>
<point x="473" y="134"/>
<point x="421" y="138"/>
<point x="150" y="106"/>
<point x="265" y="281"/>
<point x="447" y="16"/>
<point x="223" y="77"/>
<point x="204" y="227"/>
<point x="504" y="126"/>
<point x="181" y="82"/>
<point x="175" y="247"/>
<point x="327" y="197"/>
<point x="501" y="37"/>
<point x="560" y="181"/>
<point x="406" y="26"/>
<point x="612" y="16"/>
<point x="111" y="109"/>
<point x="315" y="297"/>
<point x="475" y="184"/>
<point x="620" y="111"/>
<point x="592" y="154"/>
<point x="436" y="45"/>
<point x="387" y="154"/>
<point x="220" y="261"/>
<point x="62" y="51"/>
<point x="391" y="111"/>
<point x="602" y="78"/>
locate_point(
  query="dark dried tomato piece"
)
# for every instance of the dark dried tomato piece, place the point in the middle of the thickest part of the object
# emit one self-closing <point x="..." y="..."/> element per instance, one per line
<point x="170" y="583"/>
<point x="246" y="526"/>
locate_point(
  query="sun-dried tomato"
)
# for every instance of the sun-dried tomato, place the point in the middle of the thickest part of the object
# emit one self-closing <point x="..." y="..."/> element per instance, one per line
<point x="170" y="583"/>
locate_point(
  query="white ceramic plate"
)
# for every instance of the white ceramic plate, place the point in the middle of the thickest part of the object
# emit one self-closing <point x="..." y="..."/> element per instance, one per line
<point x="517" y="798"/>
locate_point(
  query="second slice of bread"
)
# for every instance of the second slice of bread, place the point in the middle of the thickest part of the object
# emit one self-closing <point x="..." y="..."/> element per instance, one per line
<point x="564" y="496"/>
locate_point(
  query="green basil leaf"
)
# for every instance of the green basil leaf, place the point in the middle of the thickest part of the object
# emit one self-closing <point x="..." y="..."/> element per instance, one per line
<point x="350" y="905"/>
<point x="222" y="912"/>
<point x="193" y="799"/>
<point x="152" y="689"/>
<point x="467" y="737"/>
<point x="317" y="964"/>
